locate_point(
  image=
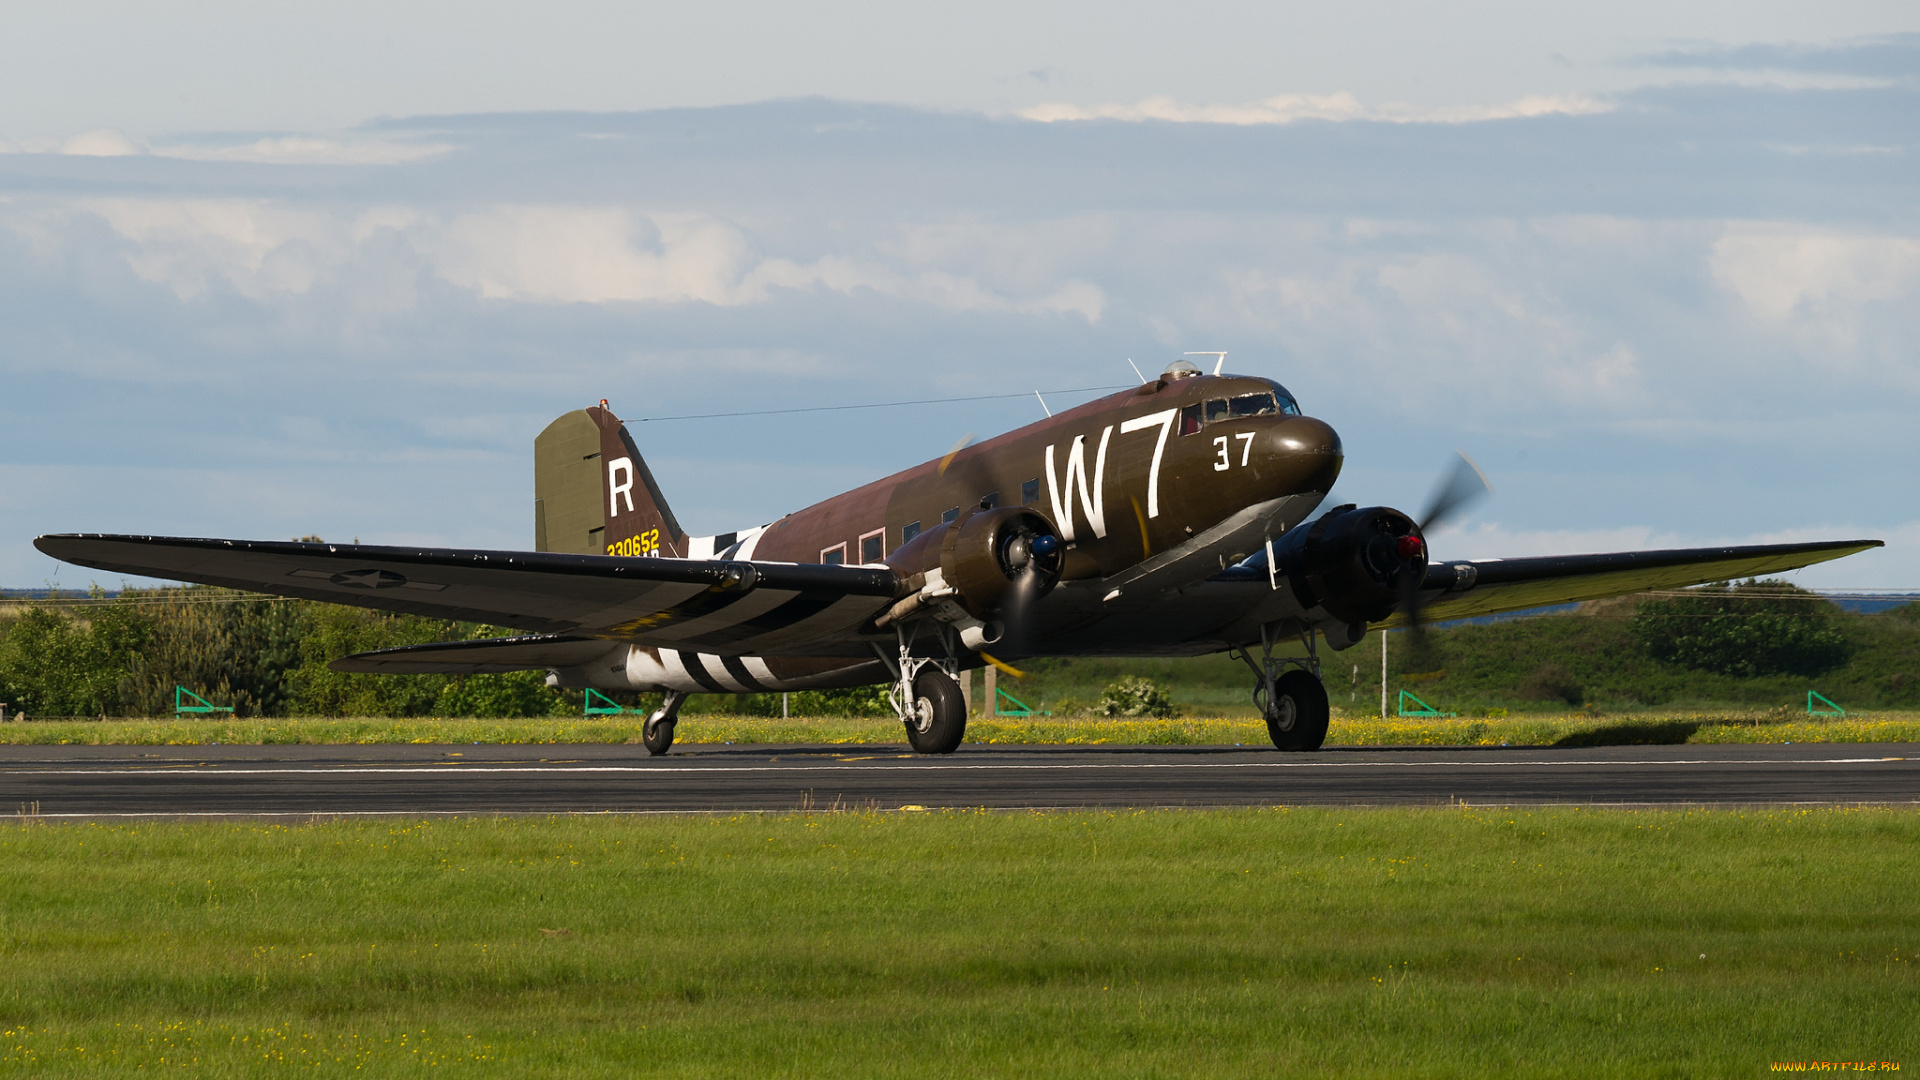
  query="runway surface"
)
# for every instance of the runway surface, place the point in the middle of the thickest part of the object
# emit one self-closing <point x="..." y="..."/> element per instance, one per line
<point x="253" y="781"/>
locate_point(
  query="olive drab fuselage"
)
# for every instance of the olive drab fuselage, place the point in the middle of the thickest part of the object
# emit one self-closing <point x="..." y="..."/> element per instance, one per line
<point x="1121" y="479"/>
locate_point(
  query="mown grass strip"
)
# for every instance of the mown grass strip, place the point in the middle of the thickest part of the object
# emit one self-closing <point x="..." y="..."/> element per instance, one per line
<point x="1579" y="729"/>
<point x="1233" y="943"/>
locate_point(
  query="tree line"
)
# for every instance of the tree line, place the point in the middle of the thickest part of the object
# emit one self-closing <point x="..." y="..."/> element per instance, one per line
<point x="268" y="656"/>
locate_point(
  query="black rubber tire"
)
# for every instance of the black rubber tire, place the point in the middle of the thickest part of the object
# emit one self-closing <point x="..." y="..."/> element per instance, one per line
<point x="1297" y="717"/>
<point x="656" y="736"/>
<point x="947" y="723"/>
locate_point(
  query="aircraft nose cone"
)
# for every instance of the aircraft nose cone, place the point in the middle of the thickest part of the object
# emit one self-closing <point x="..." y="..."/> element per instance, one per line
<point x="1313" y="449"/>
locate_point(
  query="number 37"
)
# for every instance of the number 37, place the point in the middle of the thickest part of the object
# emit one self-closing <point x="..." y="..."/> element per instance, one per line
<point x="1246" y="450"/>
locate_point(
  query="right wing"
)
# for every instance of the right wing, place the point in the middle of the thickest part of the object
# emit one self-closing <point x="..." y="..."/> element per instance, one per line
<point x="728" y="608"/>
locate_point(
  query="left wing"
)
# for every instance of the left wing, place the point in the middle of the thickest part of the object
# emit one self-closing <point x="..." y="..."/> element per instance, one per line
<point x="722" y="607"/>
<point x="1462" y="590"/>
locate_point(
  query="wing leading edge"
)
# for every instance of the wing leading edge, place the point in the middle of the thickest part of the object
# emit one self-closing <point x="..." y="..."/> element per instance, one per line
<point x="714" y="606"/>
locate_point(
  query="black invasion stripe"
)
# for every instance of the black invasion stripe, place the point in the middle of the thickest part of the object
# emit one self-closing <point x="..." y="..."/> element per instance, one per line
<point x="691" y="661"/>
<point x="705" y="603"/>
<point x="801" y="607"/>
<point x="739" y="672"/>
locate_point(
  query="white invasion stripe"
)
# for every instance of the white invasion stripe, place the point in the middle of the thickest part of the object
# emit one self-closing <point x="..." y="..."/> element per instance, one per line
<point x="753" y="604"/>
<point x="846" y="612"/>
<point x="679" y="677"/>
<point x="480" y="767"/>
<point x="718" y="669"/>
<point x="700" y="547"/>
<point x="749" y="541"/>
<point x="653" y="596"/>
<point x="757" y="668"/>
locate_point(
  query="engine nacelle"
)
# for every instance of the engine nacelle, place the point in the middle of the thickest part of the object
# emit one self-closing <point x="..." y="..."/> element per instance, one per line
<point x="977" y="562"/>
<point x="1355" y="564"/>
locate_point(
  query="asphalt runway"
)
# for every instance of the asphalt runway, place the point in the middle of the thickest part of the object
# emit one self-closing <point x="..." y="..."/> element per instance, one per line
<point x="297" y="781"/>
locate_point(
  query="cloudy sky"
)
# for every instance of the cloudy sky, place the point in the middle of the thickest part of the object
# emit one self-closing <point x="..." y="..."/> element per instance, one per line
<point x="328" y="268"/>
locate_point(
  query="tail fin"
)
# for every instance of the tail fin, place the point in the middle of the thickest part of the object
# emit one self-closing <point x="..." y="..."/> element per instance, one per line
<point x="594" y="495"/>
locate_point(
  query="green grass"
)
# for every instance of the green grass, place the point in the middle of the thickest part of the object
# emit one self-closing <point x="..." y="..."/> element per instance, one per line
<point x="1234" y="943"/>
<point x="1526" y="729"/>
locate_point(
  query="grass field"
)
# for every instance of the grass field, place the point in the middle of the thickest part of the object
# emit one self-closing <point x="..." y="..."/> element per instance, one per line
<point x="1460" y="943"/>
<point x="1529" y="729"/>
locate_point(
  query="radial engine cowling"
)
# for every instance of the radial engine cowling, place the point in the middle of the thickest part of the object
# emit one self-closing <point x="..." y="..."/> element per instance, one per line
<point x="972" y="568"/>
<point x="1354" y="564"/>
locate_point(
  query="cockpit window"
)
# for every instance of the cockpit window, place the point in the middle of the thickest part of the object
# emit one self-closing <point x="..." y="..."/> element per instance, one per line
<point x="1287" y="405"/>
<point x="1216" y="410"/>
<point x="1254" y="405"/>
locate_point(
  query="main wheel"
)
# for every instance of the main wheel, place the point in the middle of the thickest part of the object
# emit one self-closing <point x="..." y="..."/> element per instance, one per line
<point x="656" y="734"/>
<point x="1297" y="715"/>
<point x="938" y="720"/>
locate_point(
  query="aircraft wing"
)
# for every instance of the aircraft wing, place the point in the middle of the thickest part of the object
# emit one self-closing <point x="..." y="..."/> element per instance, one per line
<point x="712" y="606"/>
<point x="1460" y="590"/>
<point x="483" y="656"/>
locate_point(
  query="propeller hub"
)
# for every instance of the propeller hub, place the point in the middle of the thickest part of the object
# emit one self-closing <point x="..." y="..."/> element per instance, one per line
<point x="1410" y="547"/>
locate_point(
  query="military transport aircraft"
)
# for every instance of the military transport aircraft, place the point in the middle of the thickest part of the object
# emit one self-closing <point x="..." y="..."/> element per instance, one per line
<point x="1172" y="519"/>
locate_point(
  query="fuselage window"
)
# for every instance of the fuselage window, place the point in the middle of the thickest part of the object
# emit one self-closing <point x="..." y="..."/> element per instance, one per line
<point x="990" y="500"/>
<point x="947" y="518"/>
<point x="1029" y="492"/>
<point x="872" y="547"/>
<point x="834" y="556"/>
<point x="1254" y="404"/>
<point x="911" y="530"/>
<point x="1190" y="420"/>
<point x="1216" y="410"/>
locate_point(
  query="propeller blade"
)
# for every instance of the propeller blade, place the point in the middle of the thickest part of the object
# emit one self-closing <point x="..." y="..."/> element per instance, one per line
<point x="946" y="460"/>
<point x="1464" y="484"/>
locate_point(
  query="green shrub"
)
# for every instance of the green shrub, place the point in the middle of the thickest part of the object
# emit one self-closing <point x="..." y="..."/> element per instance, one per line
<point x="1132" y="695"/>
<point x="1754" y="628"/>
<point x="1552" y="682"/>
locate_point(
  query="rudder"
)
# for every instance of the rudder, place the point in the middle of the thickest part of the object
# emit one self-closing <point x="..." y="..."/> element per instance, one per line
<point x="593" y="493"/>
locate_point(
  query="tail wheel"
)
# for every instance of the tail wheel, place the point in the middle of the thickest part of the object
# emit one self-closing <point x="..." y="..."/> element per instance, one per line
<point x="1297" y="716"/>
<point x="937" y="716"/>
<point x="657" y="733"/>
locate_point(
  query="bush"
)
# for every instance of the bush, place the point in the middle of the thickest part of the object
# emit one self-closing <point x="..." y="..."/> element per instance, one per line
<point x="1552" y="682"/>
<point x="1133" y="695"/>
<point x="1754" y="628"/>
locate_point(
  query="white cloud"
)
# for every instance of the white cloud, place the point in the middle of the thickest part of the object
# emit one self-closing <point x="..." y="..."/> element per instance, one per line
<point x="1292" y="108"/>
<point x="103" y="143"/>
<point x="307" y="150"/>
<point x="1786" y="272"/>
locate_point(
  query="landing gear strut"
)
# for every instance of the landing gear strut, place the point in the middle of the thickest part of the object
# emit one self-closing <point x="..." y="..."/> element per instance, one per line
<point x="657" y="733"/>
<point x="926" y="697"/>
<point x="1289" y="693"/>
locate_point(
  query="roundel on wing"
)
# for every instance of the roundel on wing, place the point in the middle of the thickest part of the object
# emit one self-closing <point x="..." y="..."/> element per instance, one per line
<point x="368" y="579"/>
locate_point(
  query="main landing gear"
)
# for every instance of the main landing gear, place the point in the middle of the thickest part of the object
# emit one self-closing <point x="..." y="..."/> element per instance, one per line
<point x="926" y="697"/>
<point x="1289" y="694"/>
<point x="656" y="734"/>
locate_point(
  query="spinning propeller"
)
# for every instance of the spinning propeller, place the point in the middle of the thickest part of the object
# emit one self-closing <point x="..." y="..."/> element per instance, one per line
<point x="1463" y="484"/>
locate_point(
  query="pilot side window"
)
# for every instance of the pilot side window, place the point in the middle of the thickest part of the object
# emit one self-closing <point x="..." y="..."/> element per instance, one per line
<point x="834" y="556"/>
<point x="872" y="546"/>
<point x="1029" y="492"/>
<point x="909" y="531"/>
<point x="1216" y="410"/>
<point x="1190" y="420"/>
